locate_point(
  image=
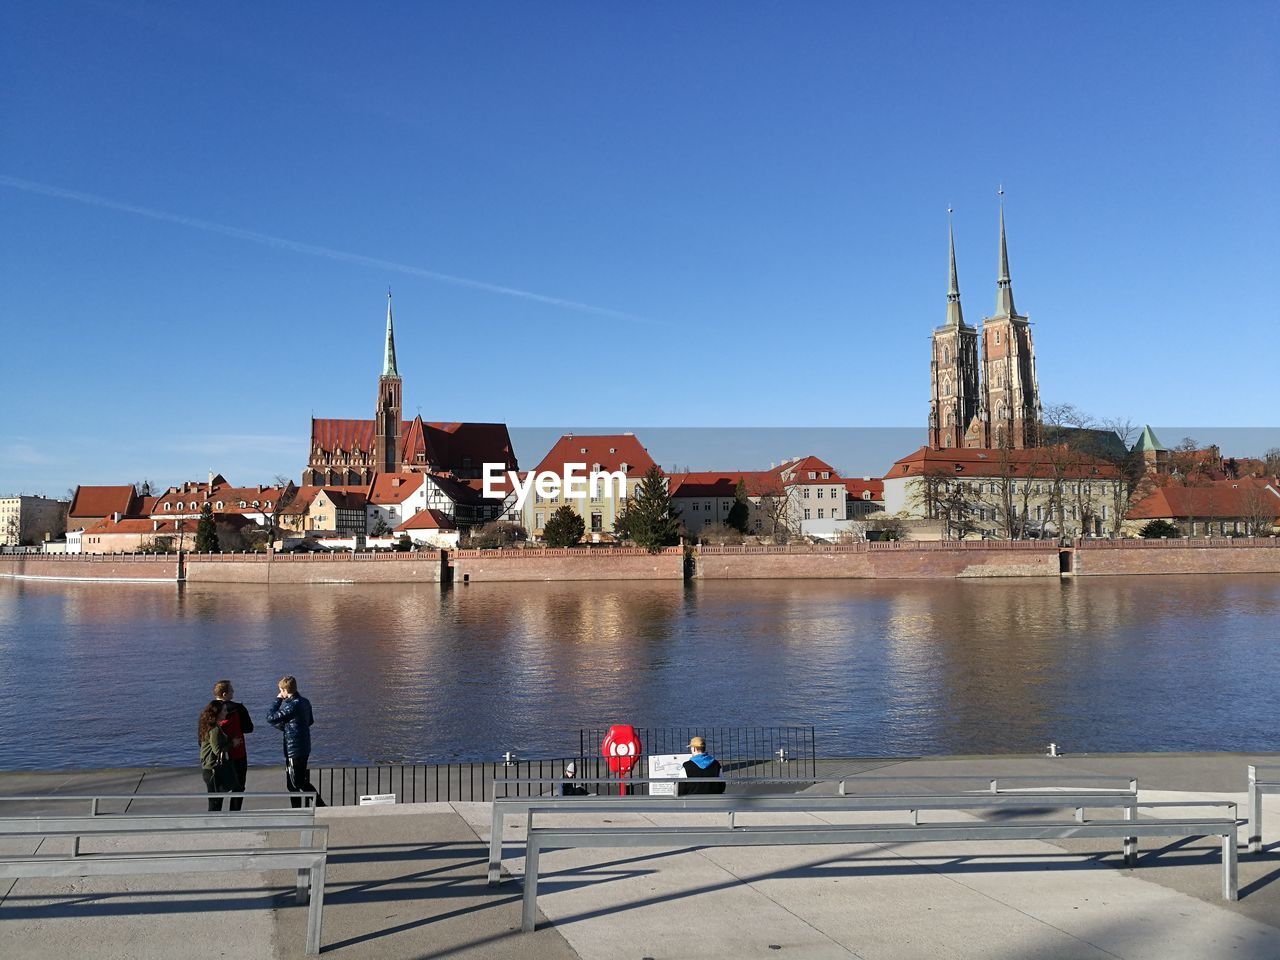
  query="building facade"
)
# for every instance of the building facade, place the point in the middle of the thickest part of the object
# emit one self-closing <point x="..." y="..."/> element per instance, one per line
<point x="620" y="454"/>
<point x="989" y="397"/>
<point x="29" y="520"/>
<point x="975" y="493"/>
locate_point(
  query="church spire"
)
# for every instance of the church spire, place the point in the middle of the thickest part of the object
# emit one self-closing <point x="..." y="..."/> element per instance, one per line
<point x="1004" y="292"/>
<point x="954" y="316"/>
<point x="389" y="360"/>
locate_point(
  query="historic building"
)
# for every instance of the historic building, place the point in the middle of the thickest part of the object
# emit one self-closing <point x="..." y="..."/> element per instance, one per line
<point x="991" y="400"/>
<point x="352" y="452"/>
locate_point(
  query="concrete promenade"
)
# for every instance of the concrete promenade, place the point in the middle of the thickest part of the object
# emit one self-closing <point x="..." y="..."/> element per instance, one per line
<point x="409" y="881"/>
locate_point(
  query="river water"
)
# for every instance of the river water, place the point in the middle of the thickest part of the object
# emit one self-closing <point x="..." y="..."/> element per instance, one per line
<point x="99" y="675"/>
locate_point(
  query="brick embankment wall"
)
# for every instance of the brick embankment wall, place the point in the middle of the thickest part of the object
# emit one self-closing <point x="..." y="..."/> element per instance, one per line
<point x="574" y="563"/>
<point x="905" y="560"/>
<point x="422" y="567"/>
<point x="1122" y="557"/>
<point x="89" y="567"/>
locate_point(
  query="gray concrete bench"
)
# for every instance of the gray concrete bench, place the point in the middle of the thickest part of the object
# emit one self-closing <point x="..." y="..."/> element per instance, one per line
<point x="544" y="838"/>
<point x="1262" y="779"/>
<point x="309" y="859"/>
<point x="733" y="804"/>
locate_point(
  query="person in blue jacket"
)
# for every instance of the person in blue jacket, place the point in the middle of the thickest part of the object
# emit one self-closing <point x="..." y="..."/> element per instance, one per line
<point x="291" y="714"/>
<point x="700" y="767"/>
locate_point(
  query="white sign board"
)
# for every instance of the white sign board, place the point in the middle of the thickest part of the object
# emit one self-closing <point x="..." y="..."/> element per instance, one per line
<point x="666" y="765"/>
<point x="372" y="798"/>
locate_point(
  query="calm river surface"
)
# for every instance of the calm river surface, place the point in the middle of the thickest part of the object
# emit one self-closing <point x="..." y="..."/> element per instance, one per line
<point x="101" y="675"/>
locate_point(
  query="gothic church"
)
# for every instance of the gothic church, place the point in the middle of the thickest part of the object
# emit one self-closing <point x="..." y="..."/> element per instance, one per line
<point x="990" y="400"/>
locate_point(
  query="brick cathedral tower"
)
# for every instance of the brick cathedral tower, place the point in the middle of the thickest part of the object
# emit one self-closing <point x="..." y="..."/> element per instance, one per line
<point x="1010" y="395"/>
<point x="954" y="393"/>
<point x="386" y="418"/>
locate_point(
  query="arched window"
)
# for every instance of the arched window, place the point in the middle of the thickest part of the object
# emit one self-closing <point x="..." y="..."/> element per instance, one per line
<point x="167" y="505"/>
<point x="946" y="355"/>
<point x="219" y="505"/>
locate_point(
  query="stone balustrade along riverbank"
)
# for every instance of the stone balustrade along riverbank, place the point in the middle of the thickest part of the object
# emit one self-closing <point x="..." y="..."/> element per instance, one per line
<point x="916" y="560"/>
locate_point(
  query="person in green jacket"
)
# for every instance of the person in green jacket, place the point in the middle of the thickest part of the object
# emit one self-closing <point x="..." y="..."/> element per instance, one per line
<point x="215" y="765"/>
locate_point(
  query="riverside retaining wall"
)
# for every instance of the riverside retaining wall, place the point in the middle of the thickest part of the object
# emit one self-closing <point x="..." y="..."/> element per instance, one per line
<point x="572" y="563"/>
<point x="911" y="560"/>
<point x="1225" y="555"/>
<point x="125" y="566"/>
<point x="424" y="567"/>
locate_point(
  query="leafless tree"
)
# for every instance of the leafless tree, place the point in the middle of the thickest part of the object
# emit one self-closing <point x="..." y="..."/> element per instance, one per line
<point x="286" y="494"/>
<point x="776" y="507"/>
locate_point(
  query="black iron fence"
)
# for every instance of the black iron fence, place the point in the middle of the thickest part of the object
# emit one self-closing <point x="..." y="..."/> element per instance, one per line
<point x="765" y="752"/>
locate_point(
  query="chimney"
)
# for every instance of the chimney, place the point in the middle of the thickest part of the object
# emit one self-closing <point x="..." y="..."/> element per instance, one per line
<point x="115" y="517"/>
<point x="155" y="524"/>
<point x="210" y="479"/>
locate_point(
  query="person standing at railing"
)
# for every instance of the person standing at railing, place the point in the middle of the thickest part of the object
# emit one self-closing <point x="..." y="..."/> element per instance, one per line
<point x="700" y="766"/>
<point x="215" y="765"/>
<point x="291" y="714"/>
<point x="235" y="726"/>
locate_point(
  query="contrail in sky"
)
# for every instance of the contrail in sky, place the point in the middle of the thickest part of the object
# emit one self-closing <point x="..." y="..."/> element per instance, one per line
<point x="310" y="249"/>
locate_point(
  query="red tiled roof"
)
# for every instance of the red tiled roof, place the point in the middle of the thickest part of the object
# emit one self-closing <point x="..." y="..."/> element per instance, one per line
<point x="393" y="487"/>
<point x="90" y="502"/>
<point x="609" y="450"/>
<point x="1036" y="463"/>
<point x="1216" y="501"/>
<point x="712" y="483"/>
<point x="426" y="520"/>
<point x="447" y="446"/>
<point x="857" y="486"/>
<point x="157" y="526"/>
<point x="344" y="499"/>
<point x="200" y="493"/>
<point x="797" y="471"/>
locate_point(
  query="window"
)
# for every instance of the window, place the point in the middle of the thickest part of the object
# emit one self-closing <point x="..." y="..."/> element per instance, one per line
<point x="820" y="512"/>
<point x="537" y="497"/>
<point x="268" y="504"/>
<point x="707" y="506"/>
<point x="623" y="466"/>
<point x="826" y="474"/>
<point x="1037" y="487"/>
<point x="537" y="520"/>
<point x="219" y="505"/>
<point x="812" y="475"/>
<point x="757" y="523"/>
<point x="806" y="513"/>
<point x="695" y="506"/>
<point x="166" y="506"/>
<point x="613" y="449"/>
<point x="1039" y="512"/>
<point x="820" y="492"/>
<point x="1104" y="511"/>
<point x="582" y="449"/>
<point x="866" y="494"/>
<point x="243" y="504"/>
<point x="997" y="336"/>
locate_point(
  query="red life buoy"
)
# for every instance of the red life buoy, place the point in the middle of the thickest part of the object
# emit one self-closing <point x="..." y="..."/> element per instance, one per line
<point x="621" y="748"/>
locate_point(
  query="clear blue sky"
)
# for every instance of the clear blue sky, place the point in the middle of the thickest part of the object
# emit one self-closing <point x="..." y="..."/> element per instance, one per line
<point x="737" y="210"/>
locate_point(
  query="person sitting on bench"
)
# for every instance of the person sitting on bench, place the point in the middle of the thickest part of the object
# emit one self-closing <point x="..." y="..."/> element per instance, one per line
<point x="701" y="766"/>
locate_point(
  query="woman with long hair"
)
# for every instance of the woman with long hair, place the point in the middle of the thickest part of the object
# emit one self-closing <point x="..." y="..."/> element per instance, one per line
<point x="215" y="765"/>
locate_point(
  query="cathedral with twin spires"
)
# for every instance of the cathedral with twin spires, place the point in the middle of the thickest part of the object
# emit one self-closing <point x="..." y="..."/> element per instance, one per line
<point x="989" y="398"/>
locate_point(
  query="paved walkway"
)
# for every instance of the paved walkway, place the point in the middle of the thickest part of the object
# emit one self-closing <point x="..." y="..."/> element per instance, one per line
<point x="409" y="881"/>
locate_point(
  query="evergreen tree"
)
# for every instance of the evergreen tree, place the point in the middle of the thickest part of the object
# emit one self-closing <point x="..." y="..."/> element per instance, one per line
<point x="564" y="528"/>
<point x="647" y="520"/>
<point x="1160" y="530"/>
<point x="206" y="532"/>
<point x="740" y="512"/>
<point x="404" y="544"/>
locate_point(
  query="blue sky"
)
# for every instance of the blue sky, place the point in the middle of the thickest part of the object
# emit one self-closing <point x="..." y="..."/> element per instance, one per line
<point x="666" y="214"/>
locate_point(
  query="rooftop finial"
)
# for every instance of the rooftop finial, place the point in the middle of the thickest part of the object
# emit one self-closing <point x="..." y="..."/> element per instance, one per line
<point x="389" y="358"/>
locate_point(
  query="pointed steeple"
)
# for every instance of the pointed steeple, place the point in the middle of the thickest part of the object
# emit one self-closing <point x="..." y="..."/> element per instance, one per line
<point x="1004" y="292"/>
<point x="955" y="318"/>
<point x="389" y="359"/>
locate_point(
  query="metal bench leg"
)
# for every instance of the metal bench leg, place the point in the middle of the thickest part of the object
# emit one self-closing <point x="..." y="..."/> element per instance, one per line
<point x="1230" y="873"/>
<point x="529" y="911"/>
<point x="1130" y="843"/>
<point x="315" y="913"/>
<point x="304" y="840"/>
<point x="496" y="825"/>
<point x="1255" y="818"/>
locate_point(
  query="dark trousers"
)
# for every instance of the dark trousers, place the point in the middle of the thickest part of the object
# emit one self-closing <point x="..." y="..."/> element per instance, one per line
<point x="240" y="770"/>
<point x="218" y="780"/>
<point x="298" y="781"/>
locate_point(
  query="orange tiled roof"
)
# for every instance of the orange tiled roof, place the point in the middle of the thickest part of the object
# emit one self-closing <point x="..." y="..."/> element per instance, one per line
<point x="1037" y="463"/>
<point x="426" y="520"/>
<point x="1218" y="501"/>
<point x="91" y="502"/>
<point x="393" y="487"/>
<point x="857" y="486"/>
<point x="609" y="450"/>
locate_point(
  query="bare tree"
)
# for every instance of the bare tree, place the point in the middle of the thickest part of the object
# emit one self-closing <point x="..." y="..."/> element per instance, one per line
<point x="287" y="493"/>
<point x="777" y="509"/>
<point x="1260" y="507"/>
